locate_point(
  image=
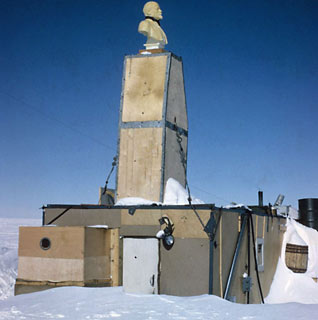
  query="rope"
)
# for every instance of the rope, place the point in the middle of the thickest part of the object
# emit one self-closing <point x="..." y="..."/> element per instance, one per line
<point x="183" y="161"/>
<point x="220" y="260"/>
<point x="114" y="163"/>
<point x="255" y="260"/>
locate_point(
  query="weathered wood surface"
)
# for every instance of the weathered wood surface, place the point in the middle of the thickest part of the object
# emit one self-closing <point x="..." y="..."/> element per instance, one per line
<point x="140" y="162"/>
<point x="296" y="257"/>
<point x="144" y="88"/>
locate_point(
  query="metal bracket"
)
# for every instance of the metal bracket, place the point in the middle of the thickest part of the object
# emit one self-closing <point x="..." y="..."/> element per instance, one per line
<point x="247" y="284"/>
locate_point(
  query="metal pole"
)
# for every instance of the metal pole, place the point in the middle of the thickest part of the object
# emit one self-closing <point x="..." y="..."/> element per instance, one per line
<point x="211" y="267"/>
<point x="260" y="198"/>
<point x="248" y="256"/>
<point x="235" y="256"/>
<point x="209" y="232"/>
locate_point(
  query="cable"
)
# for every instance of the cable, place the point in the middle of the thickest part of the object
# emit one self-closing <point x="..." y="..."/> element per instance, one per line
<point x="211" y="194"/>
<point x="255" y="260"/>
<point x="221" y="258"/>
<point x="114" y="163"/>
<point x="60" y="215"/>
<point x="50" y="117"/>
<point x="248" y="258"/>
<point x="183" y="161"/>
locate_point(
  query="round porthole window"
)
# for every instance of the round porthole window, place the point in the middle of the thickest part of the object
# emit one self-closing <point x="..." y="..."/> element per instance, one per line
<point x="45" y="243"/>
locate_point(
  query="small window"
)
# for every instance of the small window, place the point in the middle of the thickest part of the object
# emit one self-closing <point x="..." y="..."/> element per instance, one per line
<point x="45" y="243"/>
<point x="260" y="254"/>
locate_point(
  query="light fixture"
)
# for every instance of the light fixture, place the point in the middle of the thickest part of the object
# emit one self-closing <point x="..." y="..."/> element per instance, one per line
<point x="166" y="233"/>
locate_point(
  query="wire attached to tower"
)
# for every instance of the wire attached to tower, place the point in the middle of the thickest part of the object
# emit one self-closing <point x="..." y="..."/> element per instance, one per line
<point x="114" y="163"/>
<point x="183" y="161"/>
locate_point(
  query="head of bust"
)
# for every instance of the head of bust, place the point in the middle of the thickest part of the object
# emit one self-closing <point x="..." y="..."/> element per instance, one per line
<point x="152" y="9"/>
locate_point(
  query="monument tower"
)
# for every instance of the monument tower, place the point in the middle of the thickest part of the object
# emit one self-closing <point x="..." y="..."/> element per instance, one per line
<point x="152" y="112"/>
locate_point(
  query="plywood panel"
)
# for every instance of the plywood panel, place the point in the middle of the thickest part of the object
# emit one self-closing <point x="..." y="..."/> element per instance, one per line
<point x="272" y="248"/>
<point x="176" y="103"/>
<point x="30" y="237"/>
<point x="141" y="217"/>
<point x="143" y="94"/>
<point x="95" y="242"/>
<point x="47" y="269"/>
<point x="173" y="165"/>
<point x="84" y="217"/>
<point x="186" y="224"/>
<point x="139" y="169"/>
<point x="114" y="256"/>
<point x="185" y="268"/>
<point x="97" y="268"/>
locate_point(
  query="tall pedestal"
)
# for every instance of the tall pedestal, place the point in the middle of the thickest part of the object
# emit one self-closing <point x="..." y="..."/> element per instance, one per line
<point x="153" y="110"/>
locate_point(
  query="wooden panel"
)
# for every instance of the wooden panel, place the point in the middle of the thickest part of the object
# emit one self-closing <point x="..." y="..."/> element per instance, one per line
<point x="95" y="242"/>
<point x="272" y="249"/>
<point x="176" y="104"/>
<point x="48" y="269"/>
<point x="144" y="88"/>
<point x="97" y="268"/>
<point x="139" y="169"/>
<point x="173" y="165"/>
<point x="141" y="218"/>
<point x="30" y="237"/>
<point x="114" y="256"/>
<point x="186" y="224"/>
<point x="84" y="217"/>
<point x="139" y="231"/>
<point x="185" y="268"/>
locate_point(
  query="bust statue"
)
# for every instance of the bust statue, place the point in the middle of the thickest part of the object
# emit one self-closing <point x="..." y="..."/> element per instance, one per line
<point x="150" y="27"/>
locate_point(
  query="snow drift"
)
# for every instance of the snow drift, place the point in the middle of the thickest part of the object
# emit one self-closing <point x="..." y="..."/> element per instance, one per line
<point x="288" y="286"/>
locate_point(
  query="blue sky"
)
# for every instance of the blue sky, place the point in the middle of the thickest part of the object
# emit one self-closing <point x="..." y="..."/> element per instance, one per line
<point x="251" y="71"/>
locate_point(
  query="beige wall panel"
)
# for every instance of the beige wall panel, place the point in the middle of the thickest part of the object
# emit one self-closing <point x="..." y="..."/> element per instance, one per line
<point x="173" y="165"/>
<point x="95" y="242"/>
<point x="141" y="217"/>
<point x="47" y="269"/>
<point x="96" y="268"/>
<point x="185" y="268"/>
<point x="144" y="88"/>
<point x="84" y="217"/>
<point x="30" y="237"/>
<point x="113" y="240"/>
<point x="176" y="110"/>
<point x="272" y="248"/>
<point x="225" y="238"/>
<point x="139" y="170"/>
<point x="186" y="223"/>
<point x="139" y="231"/>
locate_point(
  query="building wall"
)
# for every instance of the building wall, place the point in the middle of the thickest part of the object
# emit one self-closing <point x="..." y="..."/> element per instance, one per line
<point x="184" y="270"/>
<point x="77" y="255"/>
<point x="59" y="263"/>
